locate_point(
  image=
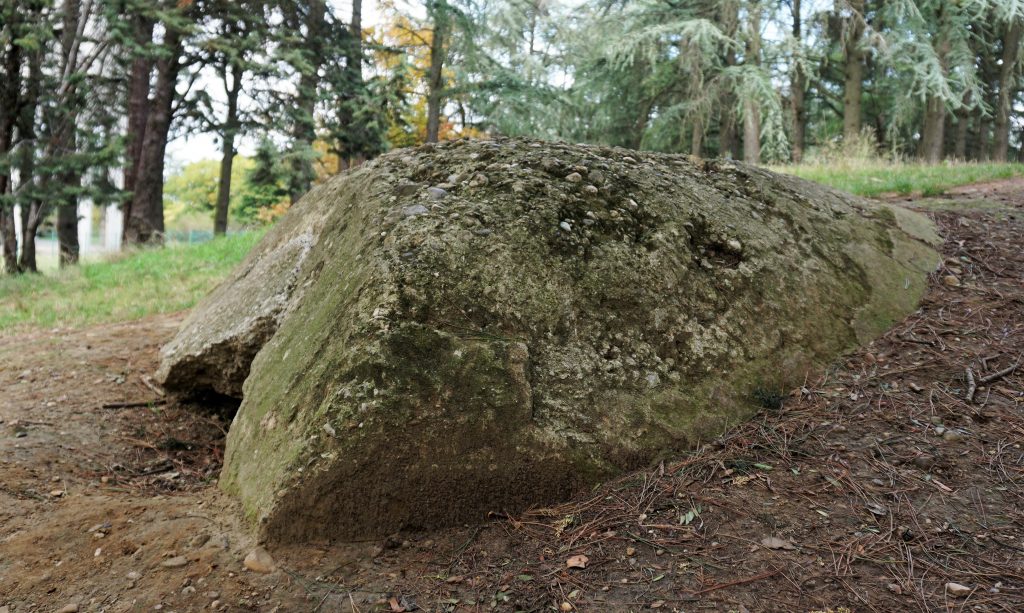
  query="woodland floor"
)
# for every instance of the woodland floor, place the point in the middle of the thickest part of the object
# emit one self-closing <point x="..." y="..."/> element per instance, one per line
<point x="871" y="487"/>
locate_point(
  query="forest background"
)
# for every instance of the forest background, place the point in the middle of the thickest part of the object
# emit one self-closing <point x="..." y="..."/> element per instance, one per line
<point x="100" y="99"/>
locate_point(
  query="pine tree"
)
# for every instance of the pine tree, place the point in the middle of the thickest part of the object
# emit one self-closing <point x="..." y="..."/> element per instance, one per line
<point x="1009" y="23"/>
<point x="237" y="32"/>
<point x="60" y="108"/>
<point x="150" y="106"/>
<point x="266" y="179"/>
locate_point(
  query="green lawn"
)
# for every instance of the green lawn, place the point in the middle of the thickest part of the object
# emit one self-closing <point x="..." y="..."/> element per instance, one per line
<point x="874" y="178"/>
<point x="133" y="285"/>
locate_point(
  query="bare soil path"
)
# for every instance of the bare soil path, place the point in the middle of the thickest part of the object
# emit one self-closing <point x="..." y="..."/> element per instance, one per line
<point x="889" y="483"/>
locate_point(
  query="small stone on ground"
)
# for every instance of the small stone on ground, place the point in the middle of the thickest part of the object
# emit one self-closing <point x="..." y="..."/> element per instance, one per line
<point x="259" y="561"/>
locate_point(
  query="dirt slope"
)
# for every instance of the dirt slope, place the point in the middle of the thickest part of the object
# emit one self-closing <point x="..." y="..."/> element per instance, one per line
<point x="872" y="488"/>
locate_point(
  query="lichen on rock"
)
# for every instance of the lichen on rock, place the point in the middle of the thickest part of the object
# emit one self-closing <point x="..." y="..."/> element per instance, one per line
<point x="485" y="325"/>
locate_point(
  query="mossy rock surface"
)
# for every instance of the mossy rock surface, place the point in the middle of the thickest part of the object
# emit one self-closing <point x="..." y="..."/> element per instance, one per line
<point x="484" y="326"/>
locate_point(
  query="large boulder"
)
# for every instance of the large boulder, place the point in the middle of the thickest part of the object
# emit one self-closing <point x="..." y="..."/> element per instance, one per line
<point x="217" y="343"/>
<point x="483" y="326"/>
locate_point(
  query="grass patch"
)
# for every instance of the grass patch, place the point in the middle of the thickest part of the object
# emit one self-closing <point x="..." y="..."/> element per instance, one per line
<point x="132" y="285"/>
<point x="877" y="177"/>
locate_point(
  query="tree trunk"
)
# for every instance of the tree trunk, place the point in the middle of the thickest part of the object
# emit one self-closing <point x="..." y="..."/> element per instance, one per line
<point x="62" y="142"/>
<point x="751" y="110"/>
<point x="138" y="108"/>
<point x="67" y="220"/>
<point x="27" y="258"/>
<point x="9" y="237"/>
<point x="356" y="29"/>
<point x="697" y="138"/>
<point x="981" y="145"/>
<point x="933" y="132"/>
<point x="10" y="94"/>
<point x="8" y="230"/>
<point x="638" y="127"/>
<point x="435" y="74"/>
<point x="978" y="144"/>
<point x="304" y="131"/>
<point x="145" y="224"/>
<point x="854" y="61"/>
<point x="963" y="116"/>
<point x="751" y="133"/>
<point x="1020" y="152"/>
<point x="29" y="227"/>
<point x="352" y="152"/>
<point x="796" y="86"/>
<point x="727" y="141"/>
<point x="67" y="226"/>
<point x="29" y="199"/>
<point x="355" y="62"/>
<point x="1007" y="88"/>
<point x="31" y="218"/>
<point x="220" y="219"/>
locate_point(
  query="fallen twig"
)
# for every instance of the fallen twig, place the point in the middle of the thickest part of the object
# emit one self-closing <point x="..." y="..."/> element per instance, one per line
<point x="457" y="554"/>
<point x="1002" y="373"/>
<point x="719" y="586"/>
<point x="133" y="405"/>
<point x="148" y="382"/>
<point x="972" y="386"/>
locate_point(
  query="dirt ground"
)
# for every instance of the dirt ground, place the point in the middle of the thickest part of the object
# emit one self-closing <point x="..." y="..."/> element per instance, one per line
<point x="888" y="483"/>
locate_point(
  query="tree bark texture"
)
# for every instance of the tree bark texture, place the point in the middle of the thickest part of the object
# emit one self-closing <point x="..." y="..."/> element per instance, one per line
<point x="751" y="108"/>
<point x="933" y="131"/>
<point x="145" y="223"/>
<point x="854" y="64"/>
<point x="10" y="95"/>
<point x="727" y="141"/>
<point x="797" y="85"/>
<point x="1007" y="88"/>
<point x="220" y="219"/>
<point x="138" y="108"/>
<point x="435" y="72"/>
<point x="304" y="130"/>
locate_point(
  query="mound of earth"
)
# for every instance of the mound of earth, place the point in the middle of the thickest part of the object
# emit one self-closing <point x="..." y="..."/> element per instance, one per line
<point x="477" y="327"/>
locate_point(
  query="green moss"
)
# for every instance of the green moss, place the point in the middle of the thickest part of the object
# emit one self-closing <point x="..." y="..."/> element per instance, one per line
<point x="448" y="358"/>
